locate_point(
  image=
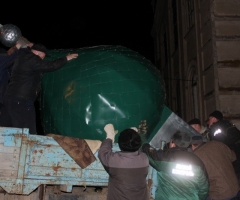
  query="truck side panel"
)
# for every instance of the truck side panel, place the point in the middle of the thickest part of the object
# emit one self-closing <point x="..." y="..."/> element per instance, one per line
<point x="28" y="161"/>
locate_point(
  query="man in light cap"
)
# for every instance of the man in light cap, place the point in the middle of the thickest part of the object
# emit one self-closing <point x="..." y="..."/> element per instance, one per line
<point x="128" y="168"/>
<point x="181" y="174"/>
<point x="196" y="124"/>
<point x="18" y="106"/>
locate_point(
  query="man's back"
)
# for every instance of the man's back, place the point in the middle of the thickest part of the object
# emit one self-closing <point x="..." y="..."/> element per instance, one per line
<point x="6" y="61"/>
<point x="127" y="168"/>
<point x="27" y="72"/>
<point x="127" y="173"/>
<point x="218" y="159"/>
<point x="181" y="174"/>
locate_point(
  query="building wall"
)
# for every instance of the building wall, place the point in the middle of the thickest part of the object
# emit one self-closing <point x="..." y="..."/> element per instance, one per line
<point x="226" y="19"/>
<point x="201" y="67"/>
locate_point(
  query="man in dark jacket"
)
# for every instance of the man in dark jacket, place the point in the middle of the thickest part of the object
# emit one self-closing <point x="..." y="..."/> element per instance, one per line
<point x="226" y="132"/>
<point x="181" y="174"/>
<point x="128" y="168"/>
<point x="18" y="107"/>
<point x="214" y="117"/>
<point x="6" y="62"/>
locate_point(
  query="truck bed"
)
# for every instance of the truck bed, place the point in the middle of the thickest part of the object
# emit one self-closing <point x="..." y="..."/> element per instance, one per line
<point x="29" y="161"/>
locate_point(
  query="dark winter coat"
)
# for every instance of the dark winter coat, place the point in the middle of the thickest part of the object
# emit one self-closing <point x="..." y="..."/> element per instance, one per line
<point x="181" y="174"/>
<point x="226" y="132"/>
<point x="218" y="159"/>
<point x="27" y="71"/>
<point x="6" y="62"/>
<point x="127" y="173"/>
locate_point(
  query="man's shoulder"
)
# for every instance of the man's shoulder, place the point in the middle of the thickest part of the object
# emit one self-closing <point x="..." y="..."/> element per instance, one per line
<point x="26" y="55"/>
<point x="24" y="50"/>
<point x="216" y="144"/>
<point x="188" y="158"/>
<point x="182" y="153"/>
<point x="210" y="147"/>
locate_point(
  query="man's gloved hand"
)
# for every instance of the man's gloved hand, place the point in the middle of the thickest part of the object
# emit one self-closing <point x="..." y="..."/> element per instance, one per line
<point x="147" y="148"/>
<point x="109" y="129"/>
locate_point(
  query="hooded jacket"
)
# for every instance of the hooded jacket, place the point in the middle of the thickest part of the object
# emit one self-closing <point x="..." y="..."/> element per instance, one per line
<point x="27" y="71"/>
<point x="181" y="174"/>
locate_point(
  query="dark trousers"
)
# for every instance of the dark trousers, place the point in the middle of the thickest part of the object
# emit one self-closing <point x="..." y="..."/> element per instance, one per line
<point x="18" y="113"/>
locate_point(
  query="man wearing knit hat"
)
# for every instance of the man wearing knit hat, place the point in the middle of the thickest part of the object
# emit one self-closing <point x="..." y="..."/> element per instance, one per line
<point x="128" y="168"/>
<point x="181" y="174"/>
<point x="214" y="117"/>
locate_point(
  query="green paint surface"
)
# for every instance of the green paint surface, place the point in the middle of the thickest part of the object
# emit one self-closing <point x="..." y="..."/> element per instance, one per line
<point x="105" y="84"/>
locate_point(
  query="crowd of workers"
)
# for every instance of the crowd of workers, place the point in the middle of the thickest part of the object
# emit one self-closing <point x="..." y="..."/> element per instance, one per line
<point x="204" y="166"/>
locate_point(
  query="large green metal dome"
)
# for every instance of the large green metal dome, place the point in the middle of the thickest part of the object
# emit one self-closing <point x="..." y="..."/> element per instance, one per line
<point x="105" y="84"/>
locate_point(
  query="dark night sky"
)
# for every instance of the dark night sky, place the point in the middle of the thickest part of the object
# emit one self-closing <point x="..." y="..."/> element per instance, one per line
<point x="87" y="23"/>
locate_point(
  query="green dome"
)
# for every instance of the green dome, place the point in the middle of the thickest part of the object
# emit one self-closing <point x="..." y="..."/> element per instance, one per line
<point x="105" y="84"/>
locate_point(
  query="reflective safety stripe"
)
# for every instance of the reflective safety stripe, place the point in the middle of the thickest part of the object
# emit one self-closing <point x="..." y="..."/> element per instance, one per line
<point x="185" y="170"/>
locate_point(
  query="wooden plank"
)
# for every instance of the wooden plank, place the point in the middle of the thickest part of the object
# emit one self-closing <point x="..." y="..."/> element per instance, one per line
<point x="4" y="149"/>
<point x="16" y="197"/>
<point x="1" y="139"/>
<point x="5" y="173"/>
<point x="9" y="156"/>
<point x="9" y="161"/>
<point x="36" y="195"/>
<point x="9" y="166"/>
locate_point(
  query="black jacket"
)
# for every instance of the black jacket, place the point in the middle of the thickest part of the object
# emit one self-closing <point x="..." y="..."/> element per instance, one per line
<point x="6" y="62"/>
<point x="25" y="81"/>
